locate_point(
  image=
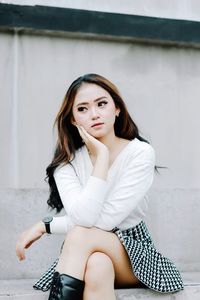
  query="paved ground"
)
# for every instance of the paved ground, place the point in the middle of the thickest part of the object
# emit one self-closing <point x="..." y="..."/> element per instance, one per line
<point x="21" y="289"/>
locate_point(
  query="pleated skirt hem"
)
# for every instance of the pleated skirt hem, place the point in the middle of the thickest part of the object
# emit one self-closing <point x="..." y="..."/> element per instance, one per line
<point x="152" y="268"/>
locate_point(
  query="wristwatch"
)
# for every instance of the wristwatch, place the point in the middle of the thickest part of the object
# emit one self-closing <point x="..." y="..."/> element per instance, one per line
<point x="47" y="220"/>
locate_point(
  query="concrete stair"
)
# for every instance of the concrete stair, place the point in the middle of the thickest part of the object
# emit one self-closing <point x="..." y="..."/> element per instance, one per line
<point x="173" y="221"/>
<point x="21" y="289"/>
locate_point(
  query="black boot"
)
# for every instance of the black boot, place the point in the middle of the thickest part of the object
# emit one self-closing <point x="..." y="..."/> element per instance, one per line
<point x="66" y="287"/>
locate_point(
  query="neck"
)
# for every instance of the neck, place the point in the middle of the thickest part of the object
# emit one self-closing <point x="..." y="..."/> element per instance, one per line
<point x="110" y="141"/>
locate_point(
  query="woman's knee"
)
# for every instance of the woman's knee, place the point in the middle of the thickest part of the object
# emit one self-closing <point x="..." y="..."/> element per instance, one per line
<point x="99" y="270"/>
<point x="76" y="238"/>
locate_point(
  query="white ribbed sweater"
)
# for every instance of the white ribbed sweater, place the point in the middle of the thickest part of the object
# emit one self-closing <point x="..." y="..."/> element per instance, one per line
<point x="120" y="201"/>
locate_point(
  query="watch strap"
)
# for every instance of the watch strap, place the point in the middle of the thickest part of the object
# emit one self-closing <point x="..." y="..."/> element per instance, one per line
<point x="47" y="220"/>
<point x="48" y="230"/>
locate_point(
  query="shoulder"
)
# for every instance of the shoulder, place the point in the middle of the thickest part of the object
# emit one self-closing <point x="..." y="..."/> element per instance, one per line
<point x="71" y="166"/>
<point x="141" y="151"/>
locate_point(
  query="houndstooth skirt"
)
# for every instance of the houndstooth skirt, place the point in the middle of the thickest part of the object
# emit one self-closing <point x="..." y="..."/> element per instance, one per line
<point x="153" y="269"/>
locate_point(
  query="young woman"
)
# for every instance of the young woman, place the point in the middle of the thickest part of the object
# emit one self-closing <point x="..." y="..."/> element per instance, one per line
<point x="100" y="173"/>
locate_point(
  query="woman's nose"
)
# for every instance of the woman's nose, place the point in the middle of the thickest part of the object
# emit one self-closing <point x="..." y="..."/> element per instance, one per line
<point x="94" y="113"/>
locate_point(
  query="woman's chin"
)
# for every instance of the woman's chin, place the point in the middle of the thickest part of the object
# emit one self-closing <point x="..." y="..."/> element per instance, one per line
<point x="98" y="135"/>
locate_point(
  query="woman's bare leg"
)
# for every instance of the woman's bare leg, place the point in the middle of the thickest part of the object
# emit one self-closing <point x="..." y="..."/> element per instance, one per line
<point x="76" y="250"/>
<point x="81" y="242"/>
<point x="99" y="278"/>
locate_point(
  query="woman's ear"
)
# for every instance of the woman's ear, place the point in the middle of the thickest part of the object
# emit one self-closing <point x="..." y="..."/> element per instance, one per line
<point x="73" y="121"/>
<point x="117" y="112"/>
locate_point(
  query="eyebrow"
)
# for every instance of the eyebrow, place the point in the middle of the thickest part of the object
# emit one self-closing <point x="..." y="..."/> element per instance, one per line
<point x="85" y="103"/>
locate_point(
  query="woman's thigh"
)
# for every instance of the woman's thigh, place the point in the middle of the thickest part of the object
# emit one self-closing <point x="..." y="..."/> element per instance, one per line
<point x="109" y="243"/>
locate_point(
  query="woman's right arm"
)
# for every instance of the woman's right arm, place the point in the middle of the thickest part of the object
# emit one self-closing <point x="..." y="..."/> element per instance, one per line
<point x="83" y="204"/>
<point x="28" y="237"/>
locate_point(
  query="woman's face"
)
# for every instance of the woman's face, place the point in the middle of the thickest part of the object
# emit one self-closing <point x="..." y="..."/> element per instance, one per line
<point x="94" y="109"/>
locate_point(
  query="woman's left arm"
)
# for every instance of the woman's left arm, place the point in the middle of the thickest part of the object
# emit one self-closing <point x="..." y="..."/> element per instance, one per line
<point x="129" y="189"/>
<point x="60" y="225"/>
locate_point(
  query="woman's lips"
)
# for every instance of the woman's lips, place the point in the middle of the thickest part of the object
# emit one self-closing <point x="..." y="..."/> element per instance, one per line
<point x="97" y="124"/>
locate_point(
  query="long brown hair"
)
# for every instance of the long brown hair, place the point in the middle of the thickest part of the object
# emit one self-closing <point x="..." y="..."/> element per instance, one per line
<point x="69" y="139"/>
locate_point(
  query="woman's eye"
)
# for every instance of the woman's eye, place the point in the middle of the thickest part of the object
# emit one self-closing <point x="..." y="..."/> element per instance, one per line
<point x="81" y="108"/>
<point x="102" y="103"/>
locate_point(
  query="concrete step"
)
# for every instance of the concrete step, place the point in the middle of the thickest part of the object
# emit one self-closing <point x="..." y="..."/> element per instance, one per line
<point x="21" y="289"/>
<point x="173" y="221"/>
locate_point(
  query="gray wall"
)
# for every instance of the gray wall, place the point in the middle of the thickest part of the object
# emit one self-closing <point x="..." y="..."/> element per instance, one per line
<point x="161" y="86"/>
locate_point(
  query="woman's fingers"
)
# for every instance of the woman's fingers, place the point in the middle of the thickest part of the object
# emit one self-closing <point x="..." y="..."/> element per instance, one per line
<point x="20" y="251"/>
<point x="88" y="138"/>
<point x="83" y="133"/>
<point x="22" y="244"/>
<point x="27" y="238"/>
<point x="79" y="130"/>
<point x="87" y="135"/>
<point x="93" y="144"/>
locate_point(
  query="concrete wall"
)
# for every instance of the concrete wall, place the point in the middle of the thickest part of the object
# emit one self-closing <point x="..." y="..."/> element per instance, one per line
<point x="161" y="86"/>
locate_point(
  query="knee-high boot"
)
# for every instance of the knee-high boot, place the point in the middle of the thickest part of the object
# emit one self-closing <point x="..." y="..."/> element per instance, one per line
<point x="66" y="287"/>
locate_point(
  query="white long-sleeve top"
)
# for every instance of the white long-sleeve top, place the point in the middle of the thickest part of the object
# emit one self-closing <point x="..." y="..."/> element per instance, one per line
<point x="120" y="201"/>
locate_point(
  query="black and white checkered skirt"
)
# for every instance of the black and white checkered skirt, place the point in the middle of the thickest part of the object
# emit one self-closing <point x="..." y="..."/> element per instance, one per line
<point x="152" y="268"/>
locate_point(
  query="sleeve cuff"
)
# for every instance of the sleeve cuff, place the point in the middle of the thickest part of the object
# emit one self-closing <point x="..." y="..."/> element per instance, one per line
<point x="60" y="225"/>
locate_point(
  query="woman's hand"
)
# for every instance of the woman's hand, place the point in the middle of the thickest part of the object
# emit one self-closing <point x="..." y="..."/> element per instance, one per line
<point x="28" y="237"/>
<point x="94" y="146"/>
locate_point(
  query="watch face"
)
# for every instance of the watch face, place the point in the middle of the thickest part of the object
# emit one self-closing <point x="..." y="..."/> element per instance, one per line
<point x="47" y="219"/>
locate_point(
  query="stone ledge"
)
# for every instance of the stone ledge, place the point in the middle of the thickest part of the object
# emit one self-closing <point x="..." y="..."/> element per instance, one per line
<point x="99" y="24"/>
